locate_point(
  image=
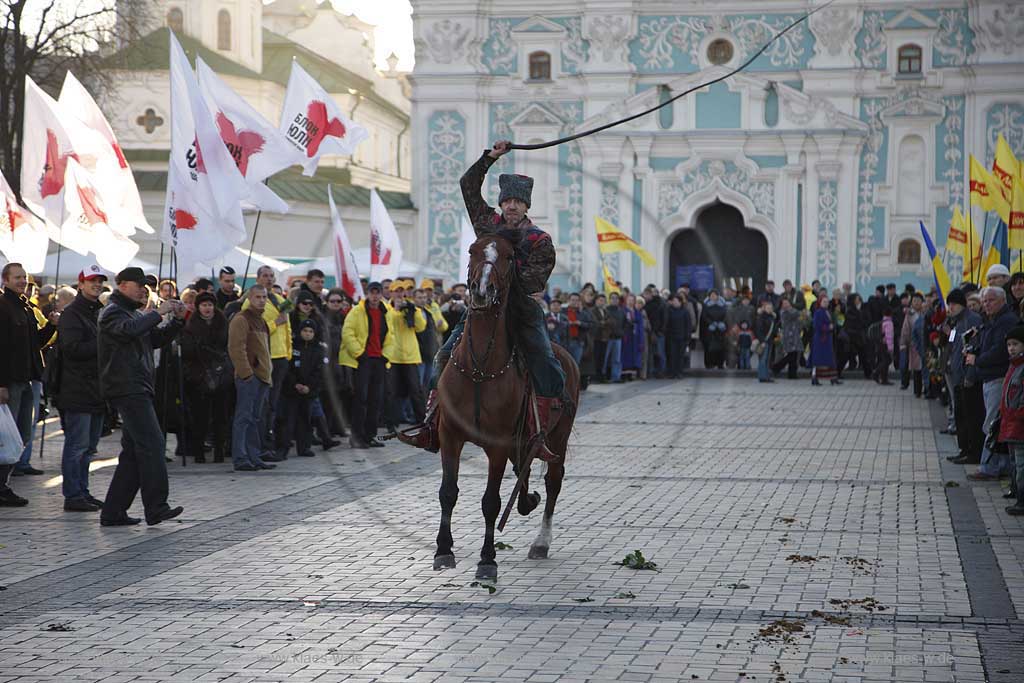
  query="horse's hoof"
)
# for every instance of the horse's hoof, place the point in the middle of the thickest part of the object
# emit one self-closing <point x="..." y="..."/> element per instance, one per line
<point x="528" y="503"/>
<point x="444" y="562"/>
<point x="538" y="552"/>
<point x="487" y="572"/>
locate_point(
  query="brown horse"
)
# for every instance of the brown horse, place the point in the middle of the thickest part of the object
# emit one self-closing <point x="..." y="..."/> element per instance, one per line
<point x="483" y="399"/>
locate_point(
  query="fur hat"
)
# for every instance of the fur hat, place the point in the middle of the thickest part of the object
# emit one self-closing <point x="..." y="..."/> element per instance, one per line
<point x="957" y="296"/>
<point x="1016" y="333"/>
<point x="205" y="296"/>
<point x="514" y="186"/>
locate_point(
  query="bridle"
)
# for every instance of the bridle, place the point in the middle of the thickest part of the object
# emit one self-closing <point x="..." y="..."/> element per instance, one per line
<point x="476" y="372"/>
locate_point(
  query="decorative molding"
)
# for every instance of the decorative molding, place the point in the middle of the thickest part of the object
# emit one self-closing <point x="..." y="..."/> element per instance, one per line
<point x="871" y="42"/>
<point x="446" y="41"/>
<point x="835" y="30"/>
<point x="1006" y="118"/>
<point x="954" y="41"/>
<point x="609" y="35"/>
<point x="761" y="193"/>
<point x="870" y="158"/>
<point x="610" y="212"/>
<point x="446" y="162"/>
<point x="828" y="240"/>
<point x="662" y="40"/>
<point x="498" y="52"/>
<point x="1001" y="30"/>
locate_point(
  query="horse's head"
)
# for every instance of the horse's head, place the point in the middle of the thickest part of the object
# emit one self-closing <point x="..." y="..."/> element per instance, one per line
<point x="490" y="271"/>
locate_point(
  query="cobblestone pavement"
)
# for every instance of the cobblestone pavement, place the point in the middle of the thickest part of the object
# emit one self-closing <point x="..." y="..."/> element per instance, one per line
<point x="800" y="533"/>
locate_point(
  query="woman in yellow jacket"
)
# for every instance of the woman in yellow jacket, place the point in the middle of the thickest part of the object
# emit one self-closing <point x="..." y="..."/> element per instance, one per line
<point x="367" y="342"/>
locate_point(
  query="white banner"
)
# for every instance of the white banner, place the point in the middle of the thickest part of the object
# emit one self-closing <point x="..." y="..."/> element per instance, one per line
<point x="23" y="237"/>
<point x="346" y="274"/>
<point x="87" y="218"/>
<point x="385" y="247"/>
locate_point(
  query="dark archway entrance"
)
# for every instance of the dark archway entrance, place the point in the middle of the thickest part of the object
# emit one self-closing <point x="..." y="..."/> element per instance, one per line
<point x="721" y="241"/>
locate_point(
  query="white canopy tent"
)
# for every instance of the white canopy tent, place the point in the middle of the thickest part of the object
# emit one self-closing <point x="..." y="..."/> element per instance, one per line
<point x="72" y="263"/>
<point x="410" y="269"/>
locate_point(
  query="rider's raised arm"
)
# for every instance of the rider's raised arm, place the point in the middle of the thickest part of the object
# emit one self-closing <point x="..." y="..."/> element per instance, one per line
<point x="481" y="215"/>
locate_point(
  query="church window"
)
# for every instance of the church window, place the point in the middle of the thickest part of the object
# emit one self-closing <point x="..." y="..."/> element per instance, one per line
<point x="909" y="60"/>
<point x="149" y="121"/>
<point x="540" y="66"/>
<point x="909" y="253"/>
<point x="223" y="30"/>
<point x="176" y="19"/>
<point x="720" y="51"/>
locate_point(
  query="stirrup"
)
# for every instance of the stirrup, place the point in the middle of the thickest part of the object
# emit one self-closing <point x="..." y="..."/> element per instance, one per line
<point x="423" y="436"/>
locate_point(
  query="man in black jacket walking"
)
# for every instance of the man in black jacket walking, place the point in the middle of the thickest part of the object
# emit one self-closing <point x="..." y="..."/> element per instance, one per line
<point x="78" y="393"/>
<point x="127" y="337"/>
<point x="20" y="362"/>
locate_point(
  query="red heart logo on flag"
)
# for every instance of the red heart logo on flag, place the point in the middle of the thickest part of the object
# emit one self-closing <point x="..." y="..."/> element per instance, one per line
<point x="183" y="220"/>
<point x="241" y="145"/>
<point x="53" y="172"/>
<point x="316" y="113"/>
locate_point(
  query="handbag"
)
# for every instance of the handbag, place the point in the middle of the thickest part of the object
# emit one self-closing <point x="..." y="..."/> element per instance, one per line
<point x="11" y="445"/>
<point x="216" y="377"/>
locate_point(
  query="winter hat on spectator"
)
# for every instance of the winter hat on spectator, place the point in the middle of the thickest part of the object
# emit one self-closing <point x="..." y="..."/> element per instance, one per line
<point x="205" y="296"/>
<point x="997" y="269"/>
<point x="515" y="186"/>
<point x="1016" y="333"/>
<point x="308" y="322"/>
<point x="956" y="296"/>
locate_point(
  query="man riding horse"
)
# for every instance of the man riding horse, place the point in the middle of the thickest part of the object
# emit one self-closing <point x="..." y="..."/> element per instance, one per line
<point x="535" y="259"/>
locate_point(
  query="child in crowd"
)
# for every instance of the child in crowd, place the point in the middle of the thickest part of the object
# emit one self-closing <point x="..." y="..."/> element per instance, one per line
<point x="1011" y="413"/>
<point x="301" y="387"/>
<point x="933" y="361"/>
<point x="884" y="349"/>
<point x="744" y="341"/>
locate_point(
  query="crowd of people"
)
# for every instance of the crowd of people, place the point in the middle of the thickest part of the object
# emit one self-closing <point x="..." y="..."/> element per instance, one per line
<point x="251" y="375"/>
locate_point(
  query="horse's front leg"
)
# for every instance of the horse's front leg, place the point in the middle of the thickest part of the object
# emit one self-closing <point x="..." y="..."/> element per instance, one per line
<point x="490" y="504"/>
<point x="553" y="484"/>
<point x="448" y="494"/>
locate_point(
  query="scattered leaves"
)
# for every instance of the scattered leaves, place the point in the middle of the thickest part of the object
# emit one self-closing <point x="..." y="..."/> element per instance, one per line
<point x="486" y="586"/>
<point x="314" y="576"/>
<point x="786" y="520"/>
<point x="861" y="567"/>
<point x="450" y="585"/>
<point x="587" y="599"/>
<point x="805" y="559"/>
<point x="831" y="618"/>
<point x="952" y="485"/>
<point x="738" y="586"/>
<point x="779" y="631"/>
<point x="636" y="560"/>
<point x="868" y="604"/>
<point x="61" y="626"/>
<point x="625" y="595"/>
<point x="501" y="545"/>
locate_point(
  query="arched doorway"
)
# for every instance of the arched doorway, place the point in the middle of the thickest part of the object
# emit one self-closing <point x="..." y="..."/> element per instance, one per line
<point x="719" y="240"/>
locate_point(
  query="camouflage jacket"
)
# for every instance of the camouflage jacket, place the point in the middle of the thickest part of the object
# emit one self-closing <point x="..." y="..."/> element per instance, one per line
<point x="535" y="254"/>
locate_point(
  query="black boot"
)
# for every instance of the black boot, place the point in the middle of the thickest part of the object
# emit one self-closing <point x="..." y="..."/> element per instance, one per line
<point x="324" y="432"/>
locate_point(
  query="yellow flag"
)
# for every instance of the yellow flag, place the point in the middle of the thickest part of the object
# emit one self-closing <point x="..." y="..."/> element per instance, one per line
<point x="963" y="238"/>
<point x="1005" y="167"/>
<point x="987" y="192"/>
<point x="609" y="282"/>
<point x="1016" y="222"/>
<point x="610" y="240"/>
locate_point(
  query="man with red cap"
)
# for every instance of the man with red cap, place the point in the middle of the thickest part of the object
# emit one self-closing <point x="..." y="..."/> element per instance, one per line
<point x="78" y="392"/>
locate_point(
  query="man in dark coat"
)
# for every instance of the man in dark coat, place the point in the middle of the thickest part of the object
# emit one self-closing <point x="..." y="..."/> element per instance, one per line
<point x="226" y="293"/>
<point x="127" y="337"/>
<point x="968" y="402"/>
<point x="78" y="394"/>
<point x="677" y="326"/>
<point x="21" y="363"/>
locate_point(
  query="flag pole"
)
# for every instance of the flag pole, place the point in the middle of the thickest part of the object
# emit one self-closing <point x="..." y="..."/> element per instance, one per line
<point x="984" y="256"/>
<point x="252" y="244"/>
<point x="160" y="268"/>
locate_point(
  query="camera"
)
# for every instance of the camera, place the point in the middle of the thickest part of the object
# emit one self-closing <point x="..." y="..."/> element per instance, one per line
<point x="971" y="341"/>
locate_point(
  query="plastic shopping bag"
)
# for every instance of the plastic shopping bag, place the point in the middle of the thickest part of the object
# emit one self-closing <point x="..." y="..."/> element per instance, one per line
<point x="10" y="438"/>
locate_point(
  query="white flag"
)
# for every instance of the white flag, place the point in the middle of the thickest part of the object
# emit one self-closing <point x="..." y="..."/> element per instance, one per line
<point x="87" y="218"/>
<point x="46" y="149"/>
<point x="210" y="173"/>
<point x="258" y="148"/>
<point x="196" y="235"/>
<point x="313" y="123"/>
<point x="346" y="273"/>
<point x="385" y="248"/>
<point x="115" y="180"/>
<point x="466" y="240"/>
<point x="23" y="237"/>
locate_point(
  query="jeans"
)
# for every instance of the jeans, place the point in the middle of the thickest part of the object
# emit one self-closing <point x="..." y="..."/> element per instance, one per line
<point x="992" y="463"/>
<point x="526" y="319"/>
<point x="575" y="349"/>
<point x="246" y="432"/>
<point x="141" y="465"/>
<point x="426" y="371"/>
<point x="744" y="359"/>
<point x="764" y="363"/>
<point x="81" y="436"/>
<point x="613" y="360"/>
<point x="1017" y="453"/>
<point x="20" y="403"/>
<point x="26" y="454"/>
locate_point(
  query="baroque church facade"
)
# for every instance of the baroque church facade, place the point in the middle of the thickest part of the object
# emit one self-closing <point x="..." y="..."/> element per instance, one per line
<point x="251" y="45"/>
<point x="816" y="162"/>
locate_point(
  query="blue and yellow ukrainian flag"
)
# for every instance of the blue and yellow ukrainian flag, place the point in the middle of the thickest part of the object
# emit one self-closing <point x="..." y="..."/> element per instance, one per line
<point x="998" y="250"/>
<point x="942" y="283"/>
